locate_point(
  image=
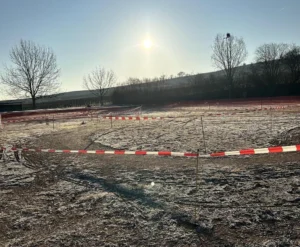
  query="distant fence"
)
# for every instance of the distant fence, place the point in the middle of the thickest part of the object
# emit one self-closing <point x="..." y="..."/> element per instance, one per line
<point x="13" y="106"/>
<point x="64" y="103"/>
<point x="66" y="110"/>
<point x="286" y="100"/>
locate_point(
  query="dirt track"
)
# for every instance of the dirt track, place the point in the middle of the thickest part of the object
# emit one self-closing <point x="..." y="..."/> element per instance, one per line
<point x="76" y="200"/>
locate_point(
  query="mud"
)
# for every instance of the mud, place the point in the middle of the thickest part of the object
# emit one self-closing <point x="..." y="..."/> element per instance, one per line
<point x="93" y="200"/>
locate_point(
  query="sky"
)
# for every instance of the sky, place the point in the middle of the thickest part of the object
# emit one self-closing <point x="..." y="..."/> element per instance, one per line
<point x="85" y="34"/>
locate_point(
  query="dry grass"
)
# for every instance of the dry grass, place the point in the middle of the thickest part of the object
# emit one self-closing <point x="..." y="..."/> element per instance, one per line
<point x="96" y="200"/>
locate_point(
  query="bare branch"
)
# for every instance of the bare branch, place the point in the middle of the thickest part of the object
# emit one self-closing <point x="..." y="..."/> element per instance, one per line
<point x="228" y="54"/>
<point x="34" y="72"/>
<point x="292" y="61"/>
<point x="270" y="56"/>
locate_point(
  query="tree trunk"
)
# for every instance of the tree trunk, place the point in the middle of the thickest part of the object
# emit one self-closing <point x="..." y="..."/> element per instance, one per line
<point x="230" y="87"/>
<point x="33" y="103"/>
<point x="101" y="100"/>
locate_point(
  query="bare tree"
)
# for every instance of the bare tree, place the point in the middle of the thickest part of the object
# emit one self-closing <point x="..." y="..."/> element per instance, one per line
<point x="270" y="57"/>
<point x="229" y="53"/>
<point x="34" y="72"/>
<point x="99" y="81"/>
<point x="133" y="81"/>
<point x="292" y="61"/>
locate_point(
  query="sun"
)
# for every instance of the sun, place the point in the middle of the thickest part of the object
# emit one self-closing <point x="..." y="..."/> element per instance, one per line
<point x="148" y="43"/>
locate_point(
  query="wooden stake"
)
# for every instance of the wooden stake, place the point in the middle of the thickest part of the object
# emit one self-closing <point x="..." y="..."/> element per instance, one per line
<point x="203" y="134"/>
<point x="271" y="121"/>
<point x="140" y="113"/>
<point x="197" y="170"/>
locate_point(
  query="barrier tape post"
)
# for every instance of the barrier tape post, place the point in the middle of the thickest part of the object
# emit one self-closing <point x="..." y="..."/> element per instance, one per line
<point x="111" y="121"/>
<point x="140" y="115"/>
<point x="17" y="156"/>
<point x="197" y="170"/>
<point x="203" y="134"/>
<point x="271" y="120"/>
<point x="1" y="125"/>
<point x="4" y="155"/>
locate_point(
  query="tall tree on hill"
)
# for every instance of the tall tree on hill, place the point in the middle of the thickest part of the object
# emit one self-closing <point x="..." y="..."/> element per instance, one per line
<point x="34" y="72"/>
<point x="270" y="57"/>
<point x="292" y="61"/>
<point x="99" y="81"/>
<point x="229" y="52"/>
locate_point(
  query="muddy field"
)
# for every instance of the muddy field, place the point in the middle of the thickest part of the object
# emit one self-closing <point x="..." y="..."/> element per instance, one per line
<point x="94" y="200"/>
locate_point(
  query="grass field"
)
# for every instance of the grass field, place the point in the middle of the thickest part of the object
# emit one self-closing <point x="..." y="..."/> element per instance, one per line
<point x="96" y="200"/>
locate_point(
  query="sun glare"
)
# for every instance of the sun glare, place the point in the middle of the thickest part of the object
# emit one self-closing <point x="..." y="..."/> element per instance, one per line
<point x="148" y="43"/>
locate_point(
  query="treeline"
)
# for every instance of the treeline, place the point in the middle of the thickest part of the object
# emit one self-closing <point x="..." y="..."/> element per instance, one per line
<point x="276" y="72"/>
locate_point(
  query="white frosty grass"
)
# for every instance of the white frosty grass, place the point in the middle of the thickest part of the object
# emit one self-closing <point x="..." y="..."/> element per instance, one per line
<point x="181" y="132"/>
<point x="14" y="169"/>
<point x="186" y="111"/>
<point x="184" y="134"/>
<point x="14" y="173"/>
<point x="19" y="133"/>
<point x="93" y="195"/>
<point x="169" y="187"/>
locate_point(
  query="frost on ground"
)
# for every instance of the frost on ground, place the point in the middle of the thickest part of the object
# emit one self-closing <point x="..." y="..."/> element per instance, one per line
<point x="289" y="137"/>
<point x="88" y="200"/>
<point x="184" y="134"/>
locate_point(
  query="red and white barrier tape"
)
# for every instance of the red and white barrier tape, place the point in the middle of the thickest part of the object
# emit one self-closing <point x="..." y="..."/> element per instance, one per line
<point x="83" y="114"/>
<point x="133" y="118"/>
<point x="262" y="109"/>
<point x="44" y="118"/>
<point x="226" y="114"/>
<point x="59" y="116"/>
<point x="137" y="109"/>
<point x="258" y="107"/>
<point x="279" y="149"/>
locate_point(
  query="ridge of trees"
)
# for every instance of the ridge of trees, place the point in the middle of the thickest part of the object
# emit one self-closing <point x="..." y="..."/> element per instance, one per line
<point x="275" y="72"/>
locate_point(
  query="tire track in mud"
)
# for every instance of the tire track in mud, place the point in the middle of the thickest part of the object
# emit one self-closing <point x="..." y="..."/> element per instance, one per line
<point x="140" y="199"/>
<point x="184" y="123"/>
<point x="133" y="138"/>
<point x="112" y="131"/>
<point x="125" y="194"/>
<point x="37" y="162"/>
<point x="142" y="128"/>
<point x="163" y="125"/>
<point x="108" y="187"/>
